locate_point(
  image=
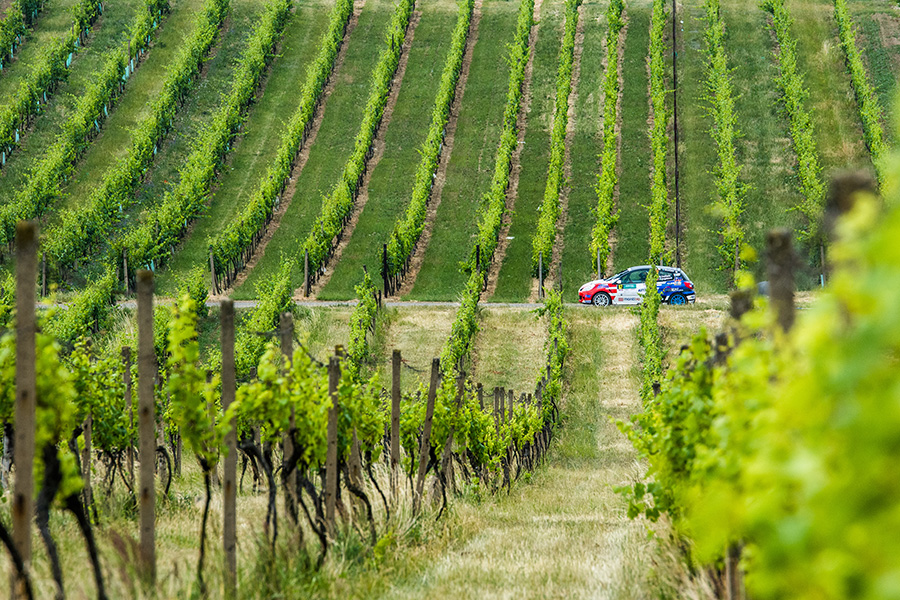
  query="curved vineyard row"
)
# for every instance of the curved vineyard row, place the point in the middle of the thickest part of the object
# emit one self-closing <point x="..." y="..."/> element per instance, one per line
<point x="544" y="237"/>
<point x="80" y="230"/>
<point x="408" y="228"/>
<point x="19" y="19"/>
<point x="151" y="242"/>
<point x="336" y="207"/>
<point x="794" y="95"/>
<point x="55" y="167"/>
<point x="493" y="204"/>
<point x="608" y="178"/>
<point x="729" y="202"/>
<point x="659" y="138"/>
<point x="51" y="68"/>
<point x="232" y="247"/>
<point x="870" y="110"/>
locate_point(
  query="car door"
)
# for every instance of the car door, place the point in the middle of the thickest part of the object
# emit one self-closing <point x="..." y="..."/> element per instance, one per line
<point x="633" y="286"/>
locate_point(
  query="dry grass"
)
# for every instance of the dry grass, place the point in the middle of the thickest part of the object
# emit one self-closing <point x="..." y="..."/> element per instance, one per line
<point x="509" y="349"/>
<point x="419" y="333"/>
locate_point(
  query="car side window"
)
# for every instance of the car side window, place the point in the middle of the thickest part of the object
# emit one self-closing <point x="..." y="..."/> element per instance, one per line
<point x="665" y="275"/>
<point x="640" y="276"/>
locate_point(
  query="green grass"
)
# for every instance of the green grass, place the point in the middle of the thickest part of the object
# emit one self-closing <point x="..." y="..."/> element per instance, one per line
<point x="392" y="180"/>
<point x="257" y="146"/>
<point x="52" y="22"/>
<point x="109" y="32"/>
<point x="578" y="266"/>
<point x="115" y="138"/>
<point x="419" y="333"/>
<point x="333" y="144"/>
<point x="514" y="280"/>
<point x="510" y="361"/>
<point x="632" y="233"/>
<point x="472" y="162"/>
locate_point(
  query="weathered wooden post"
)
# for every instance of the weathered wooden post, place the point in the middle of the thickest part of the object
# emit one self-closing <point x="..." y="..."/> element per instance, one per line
<point x="146" y="424"/>
<point x="86" y="463"/>
<point x="286" y="330"/>
<point x="480" y="392"/>
<point x="26" y="395"/>
<point x="496" y="408"/>
<point x="512" y="396"/>
<point x="424" y="447"/>
<point x="502" y="405"/>
<point x="129" y="404"/>
<point x="395" y="424"/>
<point x="212" y="271"/>
<point x="306" y="273"/>
<point x="331" y="457"/>
<point x="446" y="462"/>
<point x="229" y="526"/>
<point x="780" y="267"/>
<point x="540" y="275"/>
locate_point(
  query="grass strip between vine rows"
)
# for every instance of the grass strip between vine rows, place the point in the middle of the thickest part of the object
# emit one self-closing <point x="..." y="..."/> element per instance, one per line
<point x="544" y="237"/>
<point x="51" y="68"/>
<point x="81" y="229"/>
<point x="493" y="203"/>
<point x="153" y="240"/>
<point x="729" y="203"/>
<point x="465" y="325"/>
<point x="794" y="95"/>
<point x="405" y="235"/>
<point x="232" y="247"/>
<point x="57" y="164"/>
<point x="659" y="137"/>
<point x="338" y="205"/>
<point x="20" y="17"/>
<point x="608" y="178"/>
<point x="870" y="109"/>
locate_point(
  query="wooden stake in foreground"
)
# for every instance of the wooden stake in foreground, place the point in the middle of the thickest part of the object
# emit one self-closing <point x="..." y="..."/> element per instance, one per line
<point x="780" y="267"/>
<point x="229" y="527"/>
<point x="146" y="424"/>
<point x="26" y="394"/>
<point x="331" y="457"/>
<point x="395" y="424"/>
<point x="424" y="452"/>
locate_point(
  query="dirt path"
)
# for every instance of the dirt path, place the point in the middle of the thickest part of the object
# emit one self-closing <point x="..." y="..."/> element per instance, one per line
<point x="440" y="177"/>
<point x="378" y="152"/>
<point x="302" y="158"/>
<point x="565" y="534"/>
<point x="512" y="192"/>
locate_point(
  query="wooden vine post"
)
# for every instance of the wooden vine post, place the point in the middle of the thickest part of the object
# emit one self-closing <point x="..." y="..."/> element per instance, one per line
<point x="496" y="408"/>
<point x="331" y="456"/>
<point x="780" y="267"/>
<point x="229" y="526"/>
<point x="86" y="462"/>
<point x="26" y="395"/>
<point x="286" y="329"/>
<point x="395" y="424"/>
<point x="146" y="424"/>
<point x="426" y="434"/>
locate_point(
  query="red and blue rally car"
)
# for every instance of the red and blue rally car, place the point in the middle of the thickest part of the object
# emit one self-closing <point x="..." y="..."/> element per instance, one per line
<point x="629" y="287"/>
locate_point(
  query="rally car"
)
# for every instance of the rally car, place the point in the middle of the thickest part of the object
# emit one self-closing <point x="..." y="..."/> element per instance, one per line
<point x="629" y="287"/>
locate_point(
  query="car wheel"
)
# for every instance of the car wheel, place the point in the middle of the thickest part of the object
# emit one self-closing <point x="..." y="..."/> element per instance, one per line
<point x="677" y="300"/>
<point x="601" y="299"/>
